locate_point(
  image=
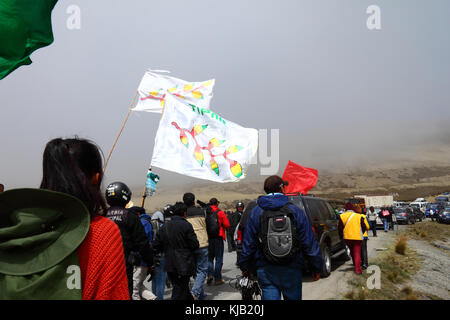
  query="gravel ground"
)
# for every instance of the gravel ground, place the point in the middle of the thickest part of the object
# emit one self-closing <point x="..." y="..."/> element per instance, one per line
<point x="433" y="277"/>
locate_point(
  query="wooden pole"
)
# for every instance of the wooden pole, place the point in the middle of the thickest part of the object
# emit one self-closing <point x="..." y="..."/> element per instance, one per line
<point x="120" y="132"/>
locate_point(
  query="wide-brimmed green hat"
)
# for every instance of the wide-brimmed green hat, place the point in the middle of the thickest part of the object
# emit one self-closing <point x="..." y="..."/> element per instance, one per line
<point x="38" y="229"/>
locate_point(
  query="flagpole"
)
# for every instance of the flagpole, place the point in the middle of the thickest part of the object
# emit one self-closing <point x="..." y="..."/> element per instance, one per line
<point x="120" y="132"/>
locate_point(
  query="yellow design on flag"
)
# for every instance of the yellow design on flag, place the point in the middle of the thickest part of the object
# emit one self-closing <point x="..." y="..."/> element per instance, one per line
<point x="154" y="87"/>
<point x="225" y="147"/>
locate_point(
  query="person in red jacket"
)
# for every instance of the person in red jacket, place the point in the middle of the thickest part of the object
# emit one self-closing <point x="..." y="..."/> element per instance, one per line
<point x="215" y="243"/>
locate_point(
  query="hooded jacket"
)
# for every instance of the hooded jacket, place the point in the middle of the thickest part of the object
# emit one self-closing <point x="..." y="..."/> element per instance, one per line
<point x="196" y="217"/>
<point x="250" y="246"/>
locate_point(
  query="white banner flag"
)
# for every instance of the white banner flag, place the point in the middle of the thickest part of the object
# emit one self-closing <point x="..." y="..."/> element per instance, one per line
<point x="197" y="142"/>
<point x="154" y="87"/>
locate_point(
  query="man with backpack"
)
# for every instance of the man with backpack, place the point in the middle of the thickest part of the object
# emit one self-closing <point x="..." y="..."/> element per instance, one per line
<point x="277" y="238"/>
<point x="196" y="217"/>
<point x="141" y="269"/>
<point x="118" y="195"/>
<point x="216" y="225"/>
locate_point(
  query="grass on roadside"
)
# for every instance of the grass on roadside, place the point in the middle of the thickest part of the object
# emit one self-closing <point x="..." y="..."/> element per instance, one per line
<point x="397" y="264"/>
<point x="428" y="231"/>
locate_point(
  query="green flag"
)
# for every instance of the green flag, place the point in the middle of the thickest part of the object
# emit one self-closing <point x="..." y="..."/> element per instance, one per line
<point x="25" y="26"/>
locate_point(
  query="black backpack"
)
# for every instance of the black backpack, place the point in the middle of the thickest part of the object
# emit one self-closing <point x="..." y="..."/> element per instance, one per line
<point x="278" y="236"/>
<point x="212" y="222"/>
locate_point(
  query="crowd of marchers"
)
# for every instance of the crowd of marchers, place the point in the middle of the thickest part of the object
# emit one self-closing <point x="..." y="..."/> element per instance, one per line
<point x="70" y="240"/>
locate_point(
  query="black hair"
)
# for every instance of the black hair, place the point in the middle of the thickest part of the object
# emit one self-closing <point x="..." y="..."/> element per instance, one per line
<point x="179" y="209"/>
<point x="213" y="202"/>
<point x="69" y="166"/>
<point x="273" y="184"/>
<point x="189" y="199"/>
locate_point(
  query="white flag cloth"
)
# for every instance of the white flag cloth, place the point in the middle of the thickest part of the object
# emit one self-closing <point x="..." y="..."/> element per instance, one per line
<point x="154" y="87"/>
<point x="197" y="142"/>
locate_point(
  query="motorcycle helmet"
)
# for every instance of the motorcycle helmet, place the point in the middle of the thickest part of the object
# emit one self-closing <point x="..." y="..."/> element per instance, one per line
<point x="117" y="194"/>
<point x="240" y="204"/>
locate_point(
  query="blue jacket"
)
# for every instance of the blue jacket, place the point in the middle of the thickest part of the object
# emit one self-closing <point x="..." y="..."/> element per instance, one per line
<point x="251" y="254"/>
<point x="148" y="230"/>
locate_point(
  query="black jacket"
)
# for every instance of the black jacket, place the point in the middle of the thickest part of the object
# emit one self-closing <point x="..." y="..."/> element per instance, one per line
<point x="133" y="233"/>
<point x="234" y="218"/>
<point x="178" y="241"/>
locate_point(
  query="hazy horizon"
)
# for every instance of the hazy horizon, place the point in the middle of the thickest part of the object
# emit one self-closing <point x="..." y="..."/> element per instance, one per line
<point x="341" y="95"/>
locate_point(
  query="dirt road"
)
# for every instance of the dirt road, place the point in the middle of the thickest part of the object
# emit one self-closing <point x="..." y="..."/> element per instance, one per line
<point x="332" y="287"/>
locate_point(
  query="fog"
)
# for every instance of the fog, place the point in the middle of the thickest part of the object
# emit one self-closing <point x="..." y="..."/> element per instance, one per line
<point x="338" y="92"/>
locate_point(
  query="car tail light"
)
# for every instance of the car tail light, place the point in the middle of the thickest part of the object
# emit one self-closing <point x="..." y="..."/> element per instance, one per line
<point x="404" y="214"/>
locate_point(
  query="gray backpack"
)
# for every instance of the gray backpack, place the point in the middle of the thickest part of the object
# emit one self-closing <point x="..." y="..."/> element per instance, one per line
<point x="278" y="236"/>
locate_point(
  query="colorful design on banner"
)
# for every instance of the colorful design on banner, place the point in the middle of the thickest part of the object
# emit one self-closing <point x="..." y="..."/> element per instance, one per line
<point x="235" y="166"/>
<point x="187" y="90"/>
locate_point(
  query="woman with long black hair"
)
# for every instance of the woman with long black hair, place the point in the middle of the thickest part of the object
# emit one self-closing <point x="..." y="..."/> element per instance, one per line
<point x="55" y="242"/>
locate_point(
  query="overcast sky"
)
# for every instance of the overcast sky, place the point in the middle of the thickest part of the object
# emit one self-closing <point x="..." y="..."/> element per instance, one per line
<point x="311" y="69"/>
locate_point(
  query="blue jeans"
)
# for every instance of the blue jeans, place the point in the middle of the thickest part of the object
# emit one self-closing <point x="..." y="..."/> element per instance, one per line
<point x="385" y="224"/>
<point x="275" y="281"/>
<point x="215" y="251"/>
<point x="159" y="281"/>
<point x="201" y="257"/>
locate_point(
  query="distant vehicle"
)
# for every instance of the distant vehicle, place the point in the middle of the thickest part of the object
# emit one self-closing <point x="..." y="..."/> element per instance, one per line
<point x="444" y="216"/>
<point x="404" y="215"/>
<point x="324" y="222"/>
<point x="420" y="200"/>
<point x="442" y="199"/>
<point x="433" y="209"/>
<point x="422" y="205"/>
<point x="377" y="201"/>
<point x="418" y="214"/>
<point x="400" y="204"/>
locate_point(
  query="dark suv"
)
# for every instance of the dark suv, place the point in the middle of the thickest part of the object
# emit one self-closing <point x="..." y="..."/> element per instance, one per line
<point x="324" y="222"/>
<point x="418" y="214"/>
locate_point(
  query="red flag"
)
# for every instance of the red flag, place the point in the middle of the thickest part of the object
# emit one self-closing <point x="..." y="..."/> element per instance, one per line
<point x="301" y="179"/>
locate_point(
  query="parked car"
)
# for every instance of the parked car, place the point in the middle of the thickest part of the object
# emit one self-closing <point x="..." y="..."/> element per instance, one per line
<point x="418" y="214"/>
<point x="433" y="210"/>
<point x="404" y="215"/>
<point x="442" y="199"/>
<point x="324" y="222"/>
<point x="444" y="216"/>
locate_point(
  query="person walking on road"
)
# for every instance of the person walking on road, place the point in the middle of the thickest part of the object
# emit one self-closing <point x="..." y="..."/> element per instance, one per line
<point x="384" y="215"/>
<point x="216" y="223"/>
<point x="140" y="270"/>
<point x="372" y="218"/>
<point x="135" y="242"/>
<point x="351" y="227"/>
<point x="278" y="276"/>
<point x="364" y="254"/>
<point x="159" y="280"/>
<point x="196" y="217"/>
<point x="178" y="241"/>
